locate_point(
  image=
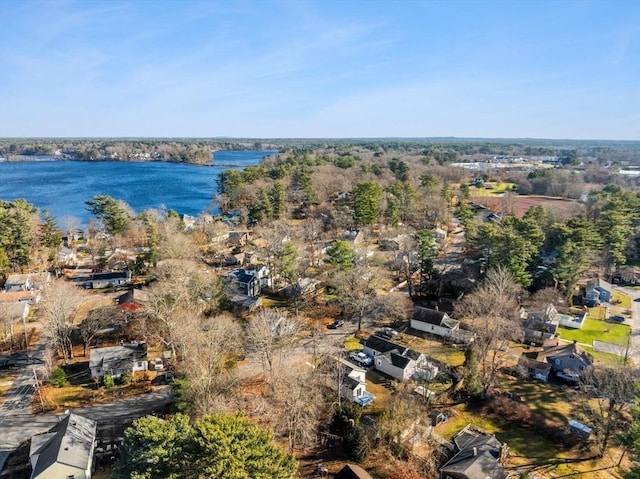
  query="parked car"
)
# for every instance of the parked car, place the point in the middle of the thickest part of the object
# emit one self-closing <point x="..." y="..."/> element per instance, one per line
<point x="338" y="323"/>
<point x="388" y="332"/>
<point x="616" y="318"/>
<point x="361" y="358"/>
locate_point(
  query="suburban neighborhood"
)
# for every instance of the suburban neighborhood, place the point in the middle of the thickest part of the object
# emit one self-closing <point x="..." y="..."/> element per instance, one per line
<point x="455" y="335"/>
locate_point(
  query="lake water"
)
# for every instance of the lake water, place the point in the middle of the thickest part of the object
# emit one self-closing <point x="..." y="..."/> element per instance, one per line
<point x="62" y="187"/>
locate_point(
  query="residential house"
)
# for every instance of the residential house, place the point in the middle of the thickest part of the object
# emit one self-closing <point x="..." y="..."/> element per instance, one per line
<point x="479" y="456"/>
<point x="353" y="386"/>
<point x="597" y="291"/>
<point x="66" y="257"/>
<point x="251" y="280"/>
<point x="66" y="451"/>
<point x="434" y="322"/>
<point x="566" y="359"/>
<point x="132" y="299"/>
<point x="303" y="287"/>
<point x="355" y="236"/>
<point x="248" y="284"/>
<point x="541" y="325"/>
<point x="393" y="244"/>
<point x="626" y="275"/>
<point x="116" y="360"/>
<point x="242" y="303"/>
<point x="104" y="280"/>
<point x="352" y="471"/>
<point x="30" y="297"/>
<point x="398" y="361"/>
<point x="26" y="282"/>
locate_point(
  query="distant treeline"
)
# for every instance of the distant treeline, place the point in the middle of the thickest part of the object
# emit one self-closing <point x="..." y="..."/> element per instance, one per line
<point x="198" y="150"/>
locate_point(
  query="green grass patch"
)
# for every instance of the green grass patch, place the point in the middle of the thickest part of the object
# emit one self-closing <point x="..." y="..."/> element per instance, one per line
<point x="621" y="300"/>
<point x="595" y="329"/>
<point x="352" y="344"/>
<point x="522" y="442"/>
<point x="491" y="189"/>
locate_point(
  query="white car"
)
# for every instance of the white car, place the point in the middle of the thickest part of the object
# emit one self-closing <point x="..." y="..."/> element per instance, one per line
<point x="361" y="358"/>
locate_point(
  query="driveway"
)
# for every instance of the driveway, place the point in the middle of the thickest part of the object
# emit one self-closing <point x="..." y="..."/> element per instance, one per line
<point x="634" y="294"/>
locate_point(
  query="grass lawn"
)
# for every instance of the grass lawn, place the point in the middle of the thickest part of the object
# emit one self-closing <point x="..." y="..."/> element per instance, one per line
<point x="526" y="447"/>
<point x="494" y="189"/>
<point x="551" y="400"/>
<point x="433" y="349"/>
<point x="595" y="329"/>
<point x="621" y="300"/>
<point x="352" y="344"/>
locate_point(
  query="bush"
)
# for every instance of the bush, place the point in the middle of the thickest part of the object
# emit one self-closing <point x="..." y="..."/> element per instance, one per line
<point x="126" y="378"/>
<point x="58" y="377"/>
<point x="108" y="381"/>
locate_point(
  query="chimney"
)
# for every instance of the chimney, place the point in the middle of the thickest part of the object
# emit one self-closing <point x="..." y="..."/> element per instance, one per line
<point x="475" y="451"/>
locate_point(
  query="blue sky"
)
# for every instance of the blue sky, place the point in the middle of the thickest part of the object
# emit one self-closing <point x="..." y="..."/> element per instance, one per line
<point x="344" y="68"/>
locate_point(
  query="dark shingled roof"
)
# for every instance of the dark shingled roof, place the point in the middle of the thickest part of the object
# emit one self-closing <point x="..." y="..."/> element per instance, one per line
<point x="478" y="457"/>
<point x="398" y="360"/>
<point x="426" y="315"/>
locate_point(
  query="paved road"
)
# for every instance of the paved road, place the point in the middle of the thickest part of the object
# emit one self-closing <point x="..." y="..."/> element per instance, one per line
<point x="634" y="294"/>
<point x="112" y="419"/>
<point x="17" y="421"/>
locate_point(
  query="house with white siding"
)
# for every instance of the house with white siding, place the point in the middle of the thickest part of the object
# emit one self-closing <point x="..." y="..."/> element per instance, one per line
<point x="434" y="322"/>
<point x="397" y="361"/>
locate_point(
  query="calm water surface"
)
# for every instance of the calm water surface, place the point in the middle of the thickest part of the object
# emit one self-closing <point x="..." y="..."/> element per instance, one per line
<point x="62" y="187"/>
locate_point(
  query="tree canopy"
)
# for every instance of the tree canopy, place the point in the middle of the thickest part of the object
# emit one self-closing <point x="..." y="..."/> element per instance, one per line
<point x="224" y="446"/>
<point x="111" y="212"/>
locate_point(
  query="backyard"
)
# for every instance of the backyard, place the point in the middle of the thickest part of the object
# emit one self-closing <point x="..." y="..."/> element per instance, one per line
<point x="597" y="329"/>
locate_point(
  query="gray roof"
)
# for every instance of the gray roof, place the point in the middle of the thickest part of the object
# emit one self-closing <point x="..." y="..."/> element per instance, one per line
<point x="117" y="357"/>
<point x="397" y="354"/>
<point x="478" y="457"/>
<point x="561" y="350"/>
<point x="399" y="361"/>
<point x="427" y="315"/>
<point x="433" y="316"/>
<point x="69" y="442"/>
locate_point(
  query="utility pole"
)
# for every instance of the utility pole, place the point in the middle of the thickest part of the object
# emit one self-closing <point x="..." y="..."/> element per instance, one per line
<point x="36" y="386"/>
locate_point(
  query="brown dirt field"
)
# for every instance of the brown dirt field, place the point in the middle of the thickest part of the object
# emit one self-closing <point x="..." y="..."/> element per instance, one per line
<point x="521" y="204"/>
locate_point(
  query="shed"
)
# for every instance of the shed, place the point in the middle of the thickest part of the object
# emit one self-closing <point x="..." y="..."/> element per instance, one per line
<point x="581" y="430"/>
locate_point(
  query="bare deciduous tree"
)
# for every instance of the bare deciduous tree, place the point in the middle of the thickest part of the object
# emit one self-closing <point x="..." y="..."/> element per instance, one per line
<point x="615" y="392"/>
<point x="96" y="320"/>
<point x="271" y="332"/>
<point x="298" y="407"/>
<point x="209" y="347"/>
<point x="60" y="305"/>
<point x="492" y="313"/>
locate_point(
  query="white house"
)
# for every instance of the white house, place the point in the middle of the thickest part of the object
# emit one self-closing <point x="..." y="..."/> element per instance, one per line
<point x="67" y="257"/>
<point x="26" y="282"/>
<point x="434" y="322"/>
<point x="66" y="451"/>
<point x="104" y="280"/>
<point x="352" y="383"/>
<point x="116" y="360"/>
<point x="398" y="361"/>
